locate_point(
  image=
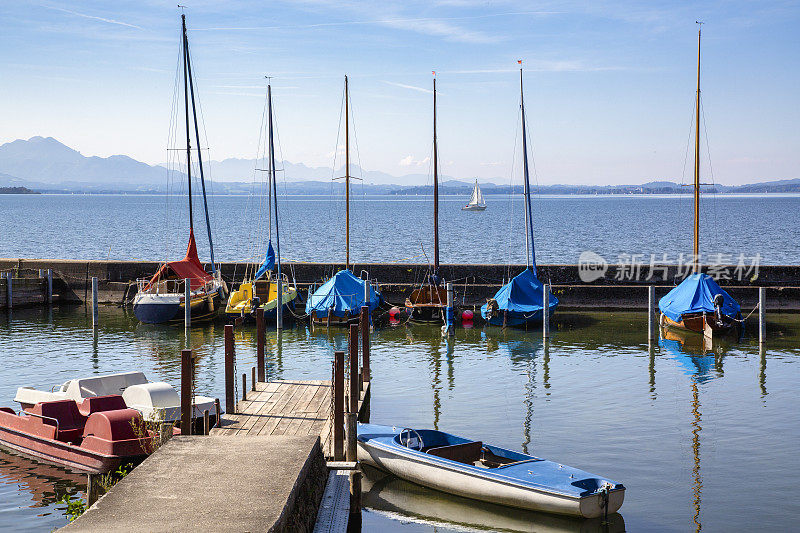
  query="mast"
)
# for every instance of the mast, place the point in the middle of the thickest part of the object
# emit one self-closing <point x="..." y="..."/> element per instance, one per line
<point x="197" y="139"/>
<point x="530" y="258"/>
<point x="346" y="172"/>
<point x="274" y="191"/>
<point x="186" y="109"/>
<point x="435" y="188"/>
<point x="696" y="251"/>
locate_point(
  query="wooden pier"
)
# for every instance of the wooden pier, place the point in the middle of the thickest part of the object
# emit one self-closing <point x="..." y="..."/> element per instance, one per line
<point x="287" y="407"/>
<point x="267" y="461"/>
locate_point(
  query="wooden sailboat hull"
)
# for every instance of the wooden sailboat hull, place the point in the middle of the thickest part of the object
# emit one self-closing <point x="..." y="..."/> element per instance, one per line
<point x="427" y="305"/>
<point x="697" y="322"/>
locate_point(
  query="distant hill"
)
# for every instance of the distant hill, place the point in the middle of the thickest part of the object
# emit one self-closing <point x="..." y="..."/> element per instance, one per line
<point x="16" y="190"/>
<point x="46" y="165"/>
<point x="45" y="161"/>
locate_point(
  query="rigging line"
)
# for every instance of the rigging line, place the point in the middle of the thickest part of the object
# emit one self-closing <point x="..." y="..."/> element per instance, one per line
<point x="199" y="154"/>
<point x="170" y="139"/>
<point x="511" y="197"/>
<point x="331" y="186"/>
<point x="711" y="173"/>
<point x="684" y="205"/>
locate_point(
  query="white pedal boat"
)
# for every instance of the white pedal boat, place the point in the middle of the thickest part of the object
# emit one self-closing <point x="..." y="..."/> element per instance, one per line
<point x="487" y="473"/>
<point x="157" y="401"/>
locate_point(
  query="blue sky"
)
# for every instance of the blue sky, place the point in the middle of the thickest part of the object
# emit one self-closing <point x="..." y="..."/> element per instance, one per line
<point x="609" y="85"/>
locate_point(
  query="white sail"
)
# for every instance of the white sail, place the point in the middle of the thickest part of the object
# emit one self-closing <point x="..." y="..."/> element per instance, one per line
<point x="476" y="202"/>
<point x="477" y="196"/>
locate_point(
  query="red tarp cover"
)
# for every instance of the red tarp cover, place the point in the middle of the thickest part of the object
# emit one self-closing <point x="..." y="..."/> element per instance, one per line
<point x="188" y="267"/>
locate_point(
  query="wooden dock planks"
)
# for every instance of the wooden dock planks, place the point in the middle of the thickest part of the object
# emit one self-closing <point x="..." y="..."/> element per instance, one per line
<point x="285" y="407"/>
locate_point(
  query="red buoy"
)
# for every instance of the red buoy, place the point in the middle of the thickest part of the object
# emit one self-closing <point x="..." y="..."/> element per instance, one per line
<point x="466" y="319"/>
<point x="394" y="315"/>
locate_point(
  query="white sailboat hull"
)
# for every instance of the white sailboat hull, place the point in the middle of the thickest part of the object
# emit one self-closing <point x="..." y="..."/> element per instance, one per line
<point x="470" y="207"/>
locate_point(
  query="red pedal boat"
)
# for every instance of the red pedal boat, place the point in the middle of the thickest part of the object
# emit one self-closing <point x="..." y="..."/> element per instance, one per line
<point x="95" y="438"/>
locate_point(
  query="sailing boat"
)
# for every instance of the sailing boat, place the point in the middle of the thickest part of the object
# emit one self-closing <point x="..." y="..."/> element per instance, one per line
<point x="428" y="303"/>
<point x="698" y="303"/>
<point x="521" y="300"/>
<point x="476" y="202"/>
<point x="262" y="290"/>
<point x="162" y="298"/>
<point x="338" y="301"/>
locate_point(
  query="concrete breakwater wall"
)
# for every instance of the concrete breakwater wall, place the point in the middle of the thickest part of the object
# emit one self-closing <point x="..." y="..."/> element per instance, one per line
<point x="605" y="287"/>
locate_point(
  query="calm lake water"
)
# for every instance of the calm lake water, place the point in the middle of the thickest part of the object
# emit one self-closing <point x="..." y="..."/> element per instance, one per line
<point x="700" y="439"/>
<point x="392" y="228"/>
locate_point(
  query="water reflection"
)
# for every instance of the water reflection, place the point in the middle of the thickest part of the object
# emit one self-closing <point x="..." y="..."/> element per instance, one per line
<point x="701" y="359"/>
<point x="401" y="499"/>
<point x="43" y="487"/>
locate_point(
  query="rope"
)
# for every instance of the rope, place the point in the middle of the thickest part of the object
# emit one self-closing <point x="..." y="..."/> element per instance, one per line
<point x="748" y="315"/>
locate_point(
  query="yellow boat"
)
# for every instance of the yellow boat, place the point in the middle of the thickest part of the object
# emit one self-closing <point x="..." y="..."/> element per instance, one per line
<point x="240" y="302"/>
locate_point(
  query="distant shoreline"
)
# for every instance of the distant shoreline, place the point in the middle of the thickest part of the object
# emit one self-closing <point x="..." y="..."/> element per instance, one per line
<point x="447" y="197"/>
<point x="17" y="190"/>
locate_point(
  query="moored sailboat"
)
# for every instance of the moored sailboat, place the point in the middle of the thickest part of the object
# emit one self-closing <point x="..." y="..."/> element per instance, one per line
<point x="521" y="300"/>
<point x="427" y="304"/>
<point x="262" y="290"/>
<point x="476" y="201"/>
<point x="698" y="303"/>
<point x="338" y="301"/>
<point x="161" y="299"/>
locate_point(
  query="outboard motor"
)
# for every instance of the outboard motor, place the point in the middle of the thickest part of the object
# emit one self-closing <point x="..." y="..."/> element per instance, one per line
<point x="719" y="300"/>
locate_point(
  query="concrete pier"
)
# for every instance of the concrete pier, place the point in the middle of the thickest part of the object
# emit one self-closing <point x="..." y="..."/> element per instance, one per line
<point x="615" y="289"/>
<point x="216" y="483"/>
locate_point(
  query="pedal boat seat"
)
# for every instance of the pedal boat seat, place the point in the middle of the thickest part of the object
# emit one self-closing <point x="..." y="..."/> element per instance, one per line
<point x="70" y="420"/>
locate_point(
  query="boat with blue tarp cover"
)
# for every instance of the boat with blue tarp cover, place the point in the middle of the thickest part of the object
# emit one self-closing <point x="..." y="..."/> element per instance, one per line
<point x="338" y="301"/>
<point x="698" y="303"/>
<point x="472" y="469"/>
<point x="341" y="297"/>
<point x="521" y="300"/>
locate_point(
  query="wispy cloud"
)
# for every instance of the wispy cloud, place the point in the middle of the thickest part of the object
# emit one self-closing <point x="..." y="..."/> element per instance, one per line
<point x="412" y="87"/>
<point x="100" y="19"/>
<point x="437" y="26"/>
<point x="409" y="161"/>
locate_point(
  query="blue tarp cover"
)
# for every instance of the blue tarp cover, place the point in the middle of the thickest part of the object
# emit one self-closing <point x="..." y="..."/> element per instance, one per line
<point x="343" y="292"/>
<point x="523" y="294"/>
<point x="269" y="262"/>
<point x="696" y="294"/>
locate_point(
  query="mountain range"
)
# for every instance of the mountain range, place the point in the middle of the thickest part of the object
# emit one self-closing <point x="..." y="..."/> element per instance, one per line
<point x="46" y="165"/>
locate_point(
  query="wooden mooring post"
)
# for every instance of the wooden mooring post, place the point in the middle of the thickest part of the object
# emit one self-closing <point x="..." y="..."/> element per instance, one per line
<point x="93" y="487"/>
<point x="230" y="399"/>
<point x="206" y="422"/>
<point x="338" y="405"/>
<point x="651" y="313"/>
<point x="187" y="303"/>
<point x="9" y="291"/>
<point x="365" y="341"/>
<point x="187" y="361"/>
<point x="353" y="357"/>
<point x="545" y="311"/>
<point x="50" y="286"/>
<point x="244" y="386"/>
<point x="95" y="309"/>
<point x="260" y="344"/>
<point x="762" y="315"/>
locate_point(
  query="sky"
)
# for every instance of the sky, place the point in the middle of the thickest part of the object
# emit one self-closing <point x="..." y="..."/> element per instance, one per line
<point x="609" y="86"/>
